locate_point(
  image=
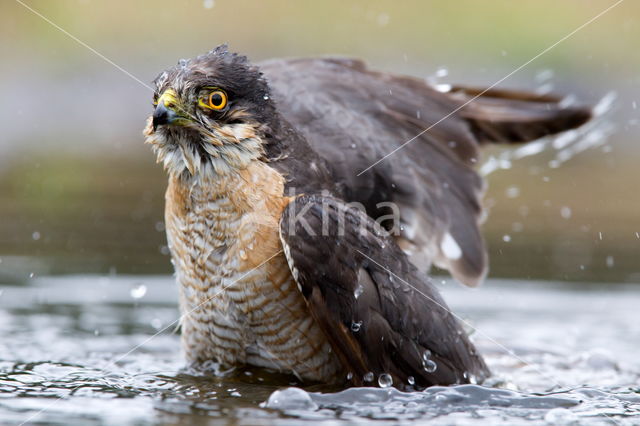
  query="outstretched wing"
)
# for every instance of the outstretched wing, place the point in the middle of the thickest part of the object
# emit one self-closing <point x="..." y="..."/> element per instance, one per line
<point x="353" y="117"/>
<point x="379" y="313"/>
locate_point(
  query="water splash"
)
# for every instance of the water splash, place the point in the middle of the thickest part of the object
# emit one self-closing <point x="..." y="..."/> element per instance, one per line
<point x="48" y="350"/>
<point x="565" y="146"/>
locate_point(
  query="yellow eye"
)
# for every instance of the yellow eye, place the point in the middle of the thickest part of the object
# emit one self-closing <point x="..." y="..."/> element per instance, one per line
<point x="216" y="100"/>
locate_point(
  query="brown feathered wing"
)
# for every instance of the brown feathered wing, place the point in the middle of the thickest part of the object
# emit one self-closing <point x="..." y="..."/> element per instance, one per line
<point x="380" y="314"/>
<point x="352" y="117"/>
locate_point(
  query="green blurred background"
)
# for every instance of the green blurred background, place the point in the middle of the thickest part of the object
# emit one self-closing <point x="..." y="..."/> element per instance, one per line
<point x="80" y="193"/>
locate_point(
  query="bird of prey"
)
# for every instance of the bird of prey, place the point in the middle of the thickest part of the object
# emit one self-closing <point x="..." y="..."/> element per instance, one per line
<point x="287" y="255"/>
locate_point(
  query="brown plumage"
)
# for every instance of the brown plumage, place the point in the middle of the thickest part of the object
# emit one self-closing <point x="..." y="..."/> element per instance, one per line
<point x="275" y="267"/>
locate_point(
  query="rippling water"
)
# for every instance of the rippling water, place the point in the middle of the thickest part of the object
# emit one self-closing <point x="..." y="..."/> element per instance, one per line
<point x="560" y="355"/>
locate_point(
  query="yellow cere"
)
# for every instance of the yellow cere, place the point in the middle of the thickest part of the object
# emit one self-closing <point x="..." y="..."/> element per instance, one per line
<point x="169" y="98"/>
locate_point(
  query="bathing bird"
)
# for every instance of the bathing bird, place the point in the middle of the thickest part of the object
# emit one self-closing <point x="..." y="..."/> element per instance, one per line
<point x="308" y="199"/>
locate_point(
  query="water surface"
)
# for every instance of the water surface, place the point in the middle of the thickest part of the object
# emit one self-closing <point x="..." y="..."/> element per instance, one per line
<point x="79" y="350"/>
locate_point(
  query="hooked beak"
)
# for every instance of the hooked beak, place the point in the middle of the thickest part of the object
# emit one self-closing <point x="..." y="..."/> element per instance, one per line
<point x="165" y="110"/>
<point x="163" y="115"/>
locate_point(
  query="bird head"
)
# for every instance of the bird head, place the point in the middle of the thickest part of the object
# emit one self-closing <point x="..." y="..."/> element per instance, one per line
<point x="211" y="114"/>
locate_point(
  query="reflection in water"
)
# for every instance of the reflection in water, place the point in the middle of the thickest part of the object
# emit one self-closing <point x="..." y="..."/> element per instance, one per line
<point x="63" y="339"/>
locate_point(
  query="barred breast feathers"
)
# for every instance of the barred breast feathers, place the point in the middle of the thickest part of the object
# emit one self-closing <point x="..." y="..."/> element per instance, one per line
<point x="240" y="300"/>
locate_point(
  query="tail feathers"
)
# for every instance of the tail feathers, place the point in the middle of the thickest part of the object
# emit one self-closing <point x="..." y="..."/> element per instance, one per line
<point x="505" y="116"/>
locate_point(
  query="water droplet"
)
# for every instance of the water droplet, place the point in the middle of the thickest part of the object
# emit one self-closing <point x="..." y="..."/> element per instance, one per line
<point x="512" y="192"/>
<point x="209" y="4"/>
<point x="353" y="145"/>
<point x="265" y="97"/>
<point x="349" y="375"/>
<point x="544" y="75"/>
<point x="383" y="19"/>
<point x="442" y="72"/>
<point x="358" y="291"/>
<point x="385" y="380"/>
<point x="96" y="332"/>
<point x="35" y="236"/>
<point x="544" y="89"/>
<point x="610" y="261"/>
<point x="31" y="275"/>
<point x="138" y="291"/>
<point x="355" y="326"/>
<point x="427" y="363"/>
<point x="160" y="226"/>
<point x="243" y="255"/>
<point x="156" y="323"/>
<point x="565" y="212"/>
<point x="506" y="238"/>
<point x="368" y="377"/>
<point x="411" y="380"/>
